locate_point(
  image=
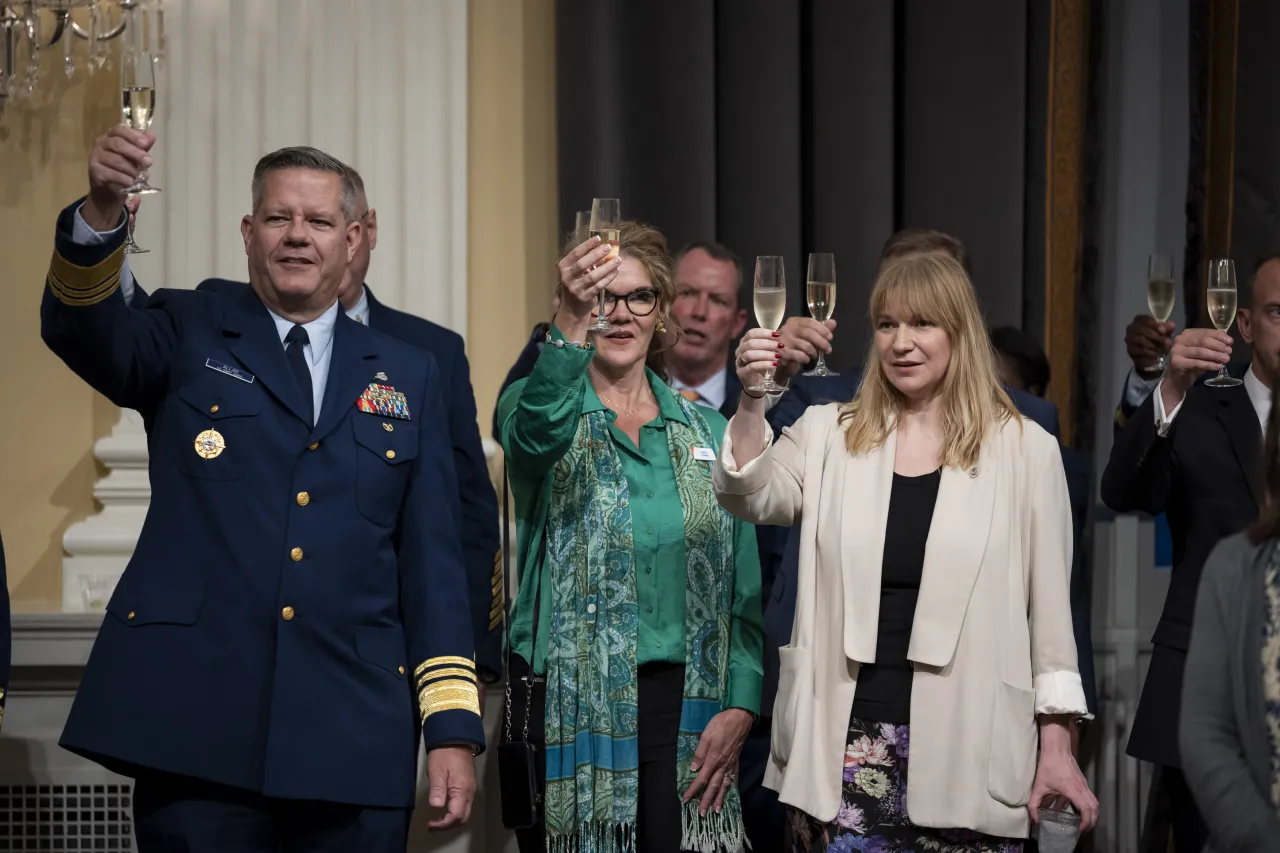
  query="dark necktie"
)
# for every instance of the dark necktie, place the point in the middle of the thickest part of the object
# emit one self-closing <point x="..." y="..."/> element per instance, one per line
<point x="296" y="339"/>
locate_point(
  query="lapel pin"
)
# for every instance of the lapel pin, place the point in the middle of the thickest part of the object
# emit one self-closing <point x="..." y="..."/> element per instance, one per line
<point x="973" y="472"/>
<point x="380" y="375"/>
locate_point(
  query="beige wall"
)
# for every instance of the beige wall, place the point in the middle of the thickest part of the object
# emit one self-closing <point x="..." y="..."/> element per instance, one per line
<point x="512" y="198"/>
<point x="50" y="419"/>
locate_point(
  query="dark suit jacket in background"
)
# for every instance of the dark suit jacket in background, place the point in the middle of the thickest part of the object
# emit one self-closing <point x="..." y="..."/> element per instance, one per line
<point x="479" y="527"/>
<point x="1206" y="477"/>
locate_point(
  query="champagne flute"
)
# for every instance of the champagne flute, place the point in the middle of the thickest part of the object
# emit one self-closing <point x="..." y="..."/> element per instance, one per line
<point x="771" y="307"/>
<point x="1221" y="300"/>
<point x="581" y="227"/>
<point x="605" y="220"/>
<point x="820" y="292"/>
<point x="138" y="101"/>
<point x="1161" y="294"/>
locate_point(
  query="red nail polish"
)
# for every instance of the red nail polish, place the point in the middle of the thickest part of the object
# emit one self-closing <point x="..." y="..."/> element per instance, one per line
<point x="777" y="334"/>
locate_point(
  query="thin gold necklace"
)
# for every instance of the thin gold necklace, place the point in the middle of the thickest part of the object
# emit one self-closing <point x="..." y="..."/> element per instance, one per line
<point x="628" y="413"/>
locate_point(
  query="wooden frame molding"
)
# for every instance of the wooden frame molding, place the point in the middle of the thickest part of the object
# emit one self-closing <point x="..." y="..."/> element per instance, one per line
<point x="1064" y="196"/>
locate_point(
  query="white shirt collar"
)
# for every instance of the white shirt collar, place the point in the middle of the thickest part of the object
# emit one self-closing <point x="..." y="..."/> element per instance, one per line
<point x="360" y="313"/>
<point x="319" y="332"/>
<point x="712" y="391"/>
<point x="1259" y="396"/>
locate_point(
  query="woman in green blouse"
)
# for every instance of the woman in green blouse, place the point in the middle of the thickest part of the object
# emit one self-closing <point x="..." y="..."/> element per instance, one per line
<point x="646" y="592"/>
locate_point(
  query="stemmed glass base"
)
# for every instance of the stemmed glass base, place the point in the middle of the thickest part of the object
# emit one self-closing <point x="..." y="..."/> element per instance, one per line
<point x="768" y="386"/>
<point x="141" y="187"/>
<point x="820" y="369"/>
<point x="601" y="322"/>
<point x="1223" y="380"/>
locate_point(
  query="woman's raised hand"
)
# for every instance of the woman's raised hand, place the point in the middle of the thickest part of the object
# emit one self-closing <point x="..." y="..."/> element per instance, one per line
<point x="583" y="273"/>
<point x="759" y="350"/>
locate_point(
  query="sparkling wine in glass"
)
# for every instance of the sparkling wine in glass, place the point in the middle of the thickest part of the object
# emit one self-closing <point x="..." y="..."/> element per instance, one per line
<point x="771" y="308"/>
<point x="1220" y="298"/>
<point x="605" y="222"/>
<point x="1161" y="293"/>
<point x="820" y="291"/>
<point x="138" y="102"/>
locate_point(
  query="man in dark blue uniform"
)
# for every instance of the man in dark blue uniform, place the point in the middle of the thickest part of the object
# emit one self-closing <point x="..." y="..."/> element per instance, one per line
<point x="295" y="611"/>
<point x="479" y="524"/>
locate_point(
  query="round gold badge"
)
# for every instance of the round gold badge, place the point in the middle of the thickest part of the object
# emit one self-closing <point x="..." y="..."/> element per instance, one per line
<point x="209" y="444"/>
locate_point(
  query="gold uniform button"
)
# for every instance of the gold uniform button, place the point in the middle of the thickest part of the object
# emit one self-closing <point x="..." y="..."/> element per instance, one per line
<point x="391" y="454"/>
<point x="287" y="613"/>
<point x="401" y="669"/>
<point x="132" y="614"/>
<point x="296" y="554"/>
<point x="303" y="498"/>
<point x="313" y="445"/>
<point x="213" y="408"/>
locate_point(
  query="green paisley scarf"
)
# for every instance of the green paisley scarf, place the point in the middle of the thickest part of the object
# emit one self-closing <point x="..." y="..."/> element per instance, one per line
<point x="592" y="756"/>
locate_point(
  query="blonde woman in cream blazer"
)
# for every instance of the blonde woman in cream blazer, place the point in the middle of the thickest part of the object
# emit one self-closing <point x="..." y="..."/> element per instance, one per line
<point x="931" y="475"/>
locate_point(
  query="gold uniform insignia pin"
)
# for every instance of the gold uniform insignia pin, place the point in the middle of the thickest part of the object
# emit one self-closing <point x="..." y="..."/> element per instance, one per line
<point x="210" y="444"/>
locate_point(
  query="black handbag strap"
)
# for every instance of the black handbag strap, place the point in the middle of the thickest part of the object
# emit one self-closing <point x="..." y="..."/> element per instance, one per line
<point x="537" y="603"/>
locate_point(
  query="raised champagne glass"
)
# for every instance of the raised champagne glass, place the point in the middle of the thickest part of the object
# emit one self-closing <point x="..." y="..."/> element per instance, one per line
<point x="771" y="307"/>
<point x="605" y="224"/>
<point x="1220" y="298"/>
<point x="820" y="293"/>
<point x="138" y="102"/>
<point x="1161" y="293"/>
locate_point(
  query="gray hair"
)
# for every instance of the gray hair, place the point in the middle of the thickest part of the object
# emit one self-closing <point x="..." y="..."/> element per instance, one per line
<point x="305" y="157"/>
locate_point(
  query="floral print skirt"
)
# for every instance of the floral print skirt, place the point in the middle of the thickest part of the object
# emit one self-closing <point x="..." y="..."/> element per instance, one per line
<point x="873" y="807"/>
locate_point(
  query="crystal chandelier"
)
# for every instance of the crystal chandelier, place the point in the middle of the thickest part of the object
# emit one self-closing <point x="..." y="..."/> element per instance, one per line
<point x="30" y="28"/>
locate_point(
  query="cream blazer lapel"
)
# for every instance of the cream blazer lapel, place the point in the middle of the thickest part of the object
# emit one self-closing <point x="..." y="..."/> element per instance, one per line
<point x="953" y="555"/>
<point x="864" y="515"/>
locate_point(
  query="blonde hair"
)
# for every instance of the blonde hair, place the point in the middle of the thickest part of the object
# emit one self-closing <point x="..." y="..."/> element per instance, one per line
<point x="934" y="288"/>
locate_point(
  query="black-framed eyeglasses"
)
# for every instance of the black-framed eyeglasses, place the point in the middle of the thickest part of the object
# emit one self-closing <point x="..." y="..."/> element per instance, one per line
<point x="639" y="302"/>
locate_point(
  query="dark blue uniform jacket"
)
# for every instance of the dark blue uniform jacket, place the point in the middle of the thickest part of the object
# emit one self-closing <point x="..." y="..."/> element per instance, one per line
<point x="295" y="611"/>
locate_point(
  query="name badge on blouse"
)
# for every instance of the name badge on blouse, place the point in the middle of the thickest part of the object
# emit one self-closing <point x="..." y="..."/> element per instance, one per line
<point x="705" y="454"/>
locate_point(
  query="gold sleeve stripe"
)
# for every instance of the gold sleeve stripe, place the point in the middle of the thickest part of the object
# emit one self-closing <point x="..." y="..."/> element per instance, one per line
<point x="449" y="695"/>
<point x="446" y="660"/>
<point x="69" y="296"/>
<point x="80" y="278"/>
<point x="449" y="672"/>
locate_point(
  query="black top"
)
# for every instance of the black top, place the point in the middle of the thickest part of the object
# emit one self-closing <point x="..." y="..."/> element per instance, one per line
<point x="884" y="688"/>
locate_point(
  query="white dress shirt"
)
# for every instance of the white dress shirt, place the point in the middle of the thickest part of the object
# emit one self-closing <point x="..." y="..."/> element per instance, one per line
<point x="1259" y="396"/>
<point x="710" y="393"/>
<point x="318" y="349"/>
<point x="360" y="311"/>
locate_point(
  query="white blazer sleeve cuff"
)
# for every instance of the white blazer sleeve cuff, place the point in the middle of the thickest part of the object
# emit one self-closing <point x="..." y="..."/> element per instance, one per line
<point x="751" y="477"/>
<point x="1061" y="693"/>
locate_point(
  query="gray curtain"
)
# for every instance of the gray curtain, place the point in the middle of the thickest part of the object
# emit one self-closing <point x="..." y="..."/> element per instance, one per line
<point x="814" y="125"/>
